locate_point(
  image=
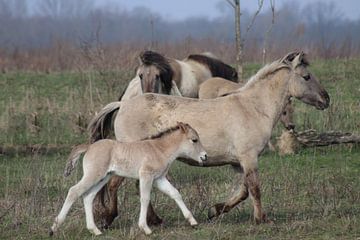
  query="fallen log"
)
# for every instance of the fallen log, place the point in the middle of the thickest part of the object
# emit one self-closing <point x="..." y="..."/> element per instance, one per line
<point x="310" y="138"/>
<point x="290" y="141"/>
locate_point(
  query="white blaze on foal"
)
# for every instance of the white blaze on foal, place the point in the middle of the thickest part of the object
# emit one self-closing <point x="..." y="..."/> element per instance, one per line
<point x="147" y="160"/>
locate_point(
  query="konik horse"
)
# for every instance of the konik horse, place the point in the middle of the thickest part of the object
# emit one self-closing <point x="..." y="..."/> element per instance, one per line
<point x="234" y="129"/>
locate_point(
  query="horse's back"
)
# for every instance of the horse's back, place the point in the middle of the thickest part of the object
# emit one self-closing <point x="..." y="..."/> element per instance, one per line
<point x="216" y="87"/>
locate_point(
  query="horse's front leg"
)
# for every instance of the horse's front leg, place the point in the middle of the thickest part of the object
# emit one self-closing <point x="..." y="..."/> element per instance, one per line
<point x="106" y="211"/>
<point x="252" y="182"/>
<point x="245" y="185"/>
<point x="239" y="193"/>
<point x="151" y="217"/>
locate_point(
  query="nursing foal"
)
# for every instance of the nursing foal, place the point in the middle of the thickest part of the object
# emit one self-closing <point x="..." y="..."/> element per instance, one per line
<point x="147" y="160"/>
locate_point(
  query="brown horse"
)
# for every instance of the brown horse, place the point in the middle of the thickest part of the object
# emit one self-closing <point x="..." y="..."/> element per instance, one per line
<point x="234" y="129"/>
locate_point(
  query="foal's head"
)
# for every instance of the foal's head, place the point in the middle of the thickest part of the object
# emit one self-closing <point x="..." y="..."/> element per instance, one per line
<point x="191" y="146"/>
<point x="303" y="84"/>
<point x="155" y="73"/>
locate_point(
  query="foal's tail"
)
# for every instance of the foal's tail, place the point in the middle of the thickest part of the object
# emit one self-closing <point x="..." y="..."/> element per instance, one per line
<point x="74" y="156"/>
<point x="99" y="126"/>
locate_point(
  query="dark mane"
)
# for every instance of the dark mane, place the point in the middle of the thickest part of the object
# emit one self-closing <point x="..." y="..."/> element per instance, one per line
<point x="149" y="58"/>
<point x="217" y="67"/>
<point x="163" y="133"/>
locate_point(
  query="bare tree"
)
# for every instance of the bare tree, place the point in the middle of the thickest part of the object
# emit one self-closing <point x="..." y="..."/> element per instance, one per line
<point x="238" y="40"/>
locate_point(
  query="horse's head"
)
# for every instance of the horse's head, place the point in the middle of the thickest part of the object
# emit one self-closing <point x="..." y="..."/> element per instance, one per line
<point x="303" y="84"/>
<point x="286" y="116"/>
<point x="155" y="73"/>
<point x="191" y="145"/>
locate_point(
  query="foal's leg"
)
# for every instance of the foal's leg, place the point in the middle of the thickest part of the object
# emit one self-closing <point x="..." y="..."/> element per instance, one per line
<point x="145" y="189"/>
<point x="151" y="217"/>
<point x="74" y="193"/>
<point x="88" y="205"/>
<point x="165" y="186"/>
<point x="238" y="194"/>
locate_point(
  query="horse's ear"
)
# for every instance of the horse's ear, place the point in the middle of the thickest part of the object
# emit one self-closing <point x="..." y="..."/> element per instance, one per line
<point x="289" y="58"/>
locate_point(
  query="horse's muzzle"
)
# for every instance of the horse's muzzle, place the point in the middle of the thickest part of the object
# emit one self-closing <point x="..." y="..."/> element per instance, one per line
<point x="203" y="157"/>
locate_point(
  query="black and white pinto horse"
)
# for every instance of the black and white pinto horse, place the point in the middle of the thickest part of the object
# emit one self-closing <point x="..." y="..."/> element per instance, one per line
<point x="159" y="74"/>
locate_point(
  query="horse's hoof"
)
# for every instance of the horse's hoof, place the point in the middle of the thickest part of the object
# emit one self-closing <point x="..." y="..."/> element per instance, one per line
<point x="155" y="221"/>
<point x="212" y="213"/>
<point x="216" y="210"/>
<point x="51" y="233"/>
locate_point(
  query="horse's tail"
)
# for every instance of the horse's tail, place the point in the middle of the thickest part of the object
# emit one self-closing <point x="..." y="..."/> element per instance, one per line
<point x="99" y="126"/>
<point x="73" y="157"/>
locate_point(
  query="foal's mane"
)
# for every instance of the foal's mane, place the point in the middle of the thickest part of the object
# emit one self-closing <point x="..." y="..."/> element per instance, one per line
<point x="216" y="67"/>
<point x="150" y="58"/>
<point x="163" y="133"/>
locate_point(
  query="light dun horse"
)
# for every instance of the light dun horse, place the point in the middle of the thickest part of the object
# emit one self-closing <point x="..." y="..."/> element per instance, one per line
<point x="220" y="87"/>
<point x="159" y="74"/>
<point x="148" y="160"/>
<point x="234" y="129"/>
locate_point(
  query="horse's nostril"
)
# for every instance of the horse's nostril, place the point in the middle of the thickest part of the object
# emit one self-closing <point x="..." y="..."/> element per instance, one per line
<point x="204" y="157"/>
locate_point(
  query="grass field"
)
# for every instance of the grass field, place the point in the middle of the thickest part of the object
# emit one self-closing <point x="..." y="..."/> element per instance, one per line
<point x="314" y="194"/>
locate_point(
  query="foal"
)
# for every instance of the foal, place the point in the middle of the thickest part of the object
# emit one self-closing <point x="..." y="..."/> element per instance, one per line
<point x="147" y="160"/>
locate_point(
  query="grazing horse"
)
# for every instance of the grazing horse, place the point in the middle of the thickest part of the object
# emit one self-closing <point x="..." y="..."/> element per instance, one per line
<point x="159" y="74"/>
<point x="219" y="87"/>
<point x="147" y="160"/>
<point x="234" y="129"/>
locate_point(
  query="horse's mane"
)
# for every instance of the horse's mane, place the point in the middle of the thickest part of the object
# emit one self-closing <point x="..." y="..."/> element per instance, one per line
<point x="164" y="132"/>
<point x="149" y="58"/>
<point x="269" y="69"/>
<point x="216" y="67"/>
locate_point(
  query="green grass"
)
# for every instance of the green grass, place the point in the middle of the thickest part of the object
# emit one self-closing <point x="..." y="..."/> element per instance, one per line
<point x="314" y="194"/>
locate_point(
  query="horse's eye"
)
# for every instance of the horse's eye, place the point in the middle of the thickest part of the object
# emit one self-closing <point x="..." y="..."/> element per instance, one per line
<point x="140" y="76"/>
<point x="284" y="113"/>
<point x="306" y="77"/>
<point x="194" y="140"/>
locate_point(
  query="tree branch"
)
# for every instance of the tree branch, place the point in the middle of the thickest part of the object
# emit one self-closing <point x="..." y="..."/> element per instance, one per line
<point x="260" y="5"/>
<point x="231" y="3"/>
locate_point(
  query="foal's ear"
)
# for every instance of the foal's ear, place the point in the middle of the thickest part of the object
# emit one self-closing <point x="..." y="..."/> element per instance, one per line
<point x="182" y="127"/>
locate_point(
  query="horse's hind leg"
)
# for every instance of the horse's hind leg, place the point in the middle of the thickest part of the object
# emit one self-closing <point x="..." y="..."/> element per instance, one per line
<point x="74" y="193"/>
<point x="238" y="194"/>
<point x="88" y="205"/>
<point x="107" y="214"/>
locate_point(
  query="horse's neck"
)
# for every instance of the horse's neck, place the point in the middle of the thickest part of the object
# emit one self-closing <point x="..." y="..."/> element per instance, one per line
<point x="269" y="95"/>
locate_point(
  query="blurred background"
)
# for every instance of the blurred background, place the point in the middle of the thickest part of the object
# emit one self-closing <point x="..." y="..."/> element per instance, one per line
<point x="45" y="34"/>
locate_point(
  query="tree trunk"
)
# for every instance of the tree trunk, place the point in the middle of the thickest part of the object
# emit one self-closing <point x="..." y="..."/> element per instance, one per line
<point x="239" y="57"/>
